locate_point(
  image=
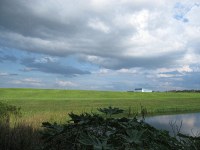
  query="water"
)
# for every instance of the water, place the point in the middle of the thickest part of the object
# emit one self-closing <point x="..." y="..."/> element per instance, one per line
<point x="190" y="123"/>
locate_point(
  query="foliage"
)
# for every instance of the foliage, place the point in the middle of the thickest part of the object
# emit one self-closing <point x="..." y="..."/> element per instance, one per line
<point x="110" y="111"/>
<point x="94" y="132"/>
<point x="7" y="110"/>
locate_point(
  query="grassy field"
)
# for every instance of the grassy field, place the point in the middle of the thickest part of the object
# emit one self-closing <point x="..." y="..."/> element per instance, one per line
<point x="40" y="105"/>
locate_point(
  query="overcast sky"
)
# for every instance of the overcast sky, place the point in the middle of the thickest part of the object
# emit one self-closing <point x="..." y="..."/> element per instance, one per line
<point x="100" y="44"/>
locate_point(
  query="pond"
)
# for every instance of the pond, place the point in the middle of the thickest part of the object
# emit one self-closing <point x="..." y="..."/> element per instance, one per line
<point x="190" y="123"/>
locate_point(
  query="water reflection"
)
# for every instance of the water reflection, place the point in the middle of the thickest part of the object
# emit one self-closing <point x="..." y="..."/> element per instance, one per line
<point x="190" y="122"/>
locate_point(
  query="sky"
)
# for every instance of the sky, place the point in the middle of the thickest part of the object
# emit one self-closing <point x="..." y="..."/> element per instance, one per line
<point x="115" y="45"/>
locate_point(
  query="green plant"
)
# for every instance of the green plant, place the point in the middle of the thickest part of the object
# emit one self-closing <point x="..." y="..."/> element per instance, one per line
<point x="110" y="111"/>
<point x="7" y="110"/>
<point x="94" y="132"/>
<point x="143" y="111"/>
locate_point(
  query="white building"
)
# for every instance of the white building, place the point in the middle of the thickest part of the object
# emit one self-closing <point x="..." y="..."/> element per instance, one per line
<point x="142" y="90"/>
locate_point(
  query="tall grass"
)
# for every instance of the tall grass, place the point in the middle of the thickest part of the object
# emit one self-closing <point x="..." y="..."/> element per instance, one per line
<point x="19" y="137"/>
<point x="54" y="105"/>
<point x="57" y="136"/>
<point x="15" y="135"/>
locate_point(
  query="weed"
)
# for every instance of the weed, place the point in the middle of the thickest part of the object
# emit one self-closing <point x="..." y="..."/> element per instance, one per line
<point x="94" y="132"/>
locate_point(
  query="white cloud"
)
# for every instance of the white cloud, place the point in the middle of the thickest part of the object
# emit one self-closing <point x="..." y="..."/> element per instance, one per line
<point x="185" y="68"/>
<point x="28" y="82"/>
<point x="98" y="25"/>
<point x="45" y="59"/>
<point x="4" y="74"/>
<point x="167" y="75"/>
<point x="132" y="71"/>
<point x="104" y="71"/>
<point x="62" y="83"/>
<point x="192" y="14"/>
<point x="94" y="59"/>
<point x="27" y="69"/>
<point x="140" y="19"/>
<point x="180" y="69"/>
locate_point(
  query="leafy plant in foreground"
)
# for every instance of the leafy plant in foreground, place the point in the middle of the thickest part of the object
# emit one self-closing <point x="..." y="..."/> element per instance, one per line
<point x="110" y="111"/>
<point x="94" y="132"/>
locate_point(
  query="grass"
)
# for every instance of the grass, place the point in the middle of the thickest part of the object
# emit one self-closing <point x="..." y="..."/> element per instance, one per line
<point x="40" y="105"/>
<point x="92" y="131"/>
<point x="19" y="137"/>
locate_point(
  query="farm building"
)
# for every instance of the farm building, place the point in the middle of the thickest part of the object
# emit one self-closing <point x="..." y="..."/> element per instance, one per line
<point x="142" y="90"/>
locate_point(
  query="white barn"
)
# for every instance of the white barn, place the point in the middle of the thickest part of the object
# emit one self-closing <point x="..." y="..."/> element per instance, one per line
<point x="142" y="90"/>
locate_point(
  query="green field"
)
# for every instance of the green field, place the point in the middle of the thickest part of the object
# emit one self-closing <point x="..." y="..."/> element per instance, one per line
<point x="40" y="105"/>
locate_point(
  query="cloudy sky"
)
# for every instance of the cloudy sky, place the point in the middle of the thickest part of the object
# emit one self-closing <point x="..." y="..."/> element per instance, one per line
<point x="100" y="44"/>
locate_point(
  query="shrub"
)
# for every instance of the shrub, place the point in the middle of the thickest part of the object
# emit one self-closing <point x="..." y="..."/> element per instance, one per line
<point x="94" y="132"/>
<point x="7" y="110"/>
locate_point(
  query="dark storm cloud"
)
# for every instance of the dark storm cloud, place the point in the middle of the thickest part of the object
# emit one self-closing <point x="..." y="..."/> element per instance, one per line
<point x="48" y="66"/>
